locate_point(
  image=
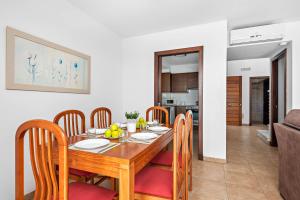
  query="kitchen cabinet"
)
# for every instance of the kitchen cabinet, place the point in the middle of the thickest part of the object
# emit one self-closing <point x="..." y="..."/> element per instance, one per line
<point x="179" y="83"/>
<point x="192" y="80"/>
<point x="184" y="81"/>
<point x="166" y="82"/>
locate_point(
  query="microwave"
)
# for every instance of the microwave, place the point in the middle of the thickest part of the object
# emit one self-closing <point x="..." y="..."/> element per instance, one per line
<point x="169" y="101"/>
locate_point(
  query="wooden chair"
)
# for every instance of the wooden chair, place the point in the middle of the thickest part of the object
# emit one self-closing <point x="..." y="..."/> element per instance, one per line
<point x="164" y="159"/>
<point x="42" y="135"/>
<point x="159" y="113"/>
<point x="153" y="183"/>
<point x="72" y="120"/>
<point x="73" y="123"/>
<point x="103" y="118"/>
<point x="190" y="127"/>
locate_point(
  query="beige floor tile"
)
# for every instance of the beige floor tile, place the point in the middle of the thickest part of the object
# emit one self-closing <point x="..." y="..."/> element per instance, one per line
<point x="194" y="196"/>
<point x="265" y="170"/>
<point x="209" y="171"/>
<point x="238" y="167"/>
<point x="240" y="179"/>
<point x="236" y="192"/>
<point x="268" y="184"/>
<point x="274" y="195"/>
<point x="209" y="189"/>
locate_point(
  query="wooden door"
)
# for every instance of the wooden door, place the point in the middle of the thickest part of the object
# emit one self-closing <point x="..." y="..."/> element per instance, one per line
<point x="234" y="100"/>
<point x="274" y="93"/>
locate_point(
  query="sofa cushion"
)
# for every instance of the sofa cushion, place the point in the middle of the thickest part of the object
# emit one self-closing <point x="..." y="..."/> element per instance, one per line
<point x="293" y="119"/>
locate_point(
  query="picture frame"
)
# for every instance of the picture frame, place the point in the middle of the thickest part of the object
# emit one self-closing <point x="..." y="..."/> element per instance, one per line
<point x="36" y="64"/>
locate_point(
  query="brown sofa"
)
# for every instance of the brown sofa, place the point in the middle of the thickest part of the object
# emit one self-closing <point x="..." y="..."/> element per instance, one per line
<point x="288" y="138"/>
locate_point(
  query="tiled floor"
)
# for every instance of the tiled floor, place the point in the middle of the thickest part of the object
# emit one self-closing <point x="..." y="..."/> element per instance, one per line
<point x="251" y="171"/>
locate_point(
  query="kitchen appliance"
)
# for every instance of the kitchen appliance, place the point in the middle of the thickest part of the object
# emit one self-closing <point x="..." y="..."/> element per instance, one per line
<point x="273" y="32"/>
<point x="171" y="110"/>
<point x="169" y="101"/>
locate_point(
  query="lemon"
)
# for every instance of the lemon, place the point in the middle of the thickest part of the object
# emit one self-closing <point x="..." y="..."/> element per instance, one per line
<point x="120" y="132"/>
<point x="115" y="134"/>
<point x="107" y="133"/>
<point x="114" y="127"/>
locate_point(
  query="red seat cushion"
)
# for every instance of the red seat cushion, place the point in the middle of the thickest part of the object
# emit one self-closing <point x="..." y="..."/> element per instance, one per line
<point x="78" y="172"/>
<point x="165" y="158"/>
<point x="154" y="181"/>
<point x="83" y="191"/>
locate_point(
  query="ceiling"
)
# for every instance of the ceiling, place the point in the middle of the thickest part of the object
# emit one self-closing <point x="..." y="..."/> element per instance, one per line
<point x="138" y="17"/>
<point x="182" y="59"/>
<point x="253" y="51"/>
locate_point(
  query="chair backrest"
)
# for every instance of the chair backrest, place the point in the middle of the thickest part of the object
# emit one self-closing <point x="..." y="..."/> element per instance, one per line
<point x="159" y="113"/>
<point x="71" y="120"/>
<point x="42" y="134"/>
<point x="103" y="118"/>
<point x="189" y="123"/>
<point x="179" y="156"/>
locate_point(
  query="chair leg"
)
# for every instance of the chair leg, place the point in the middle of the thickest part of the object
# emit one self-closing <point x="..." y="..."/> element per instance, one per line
<point x="113" y="184"/>
<point x="92" y="180"/>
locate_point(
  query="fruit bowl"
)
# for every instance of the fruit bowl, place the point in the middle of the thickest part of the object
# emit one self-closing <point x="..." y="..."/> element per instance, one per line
<point x="114" y="132"/>
<point x="113" y="138"/>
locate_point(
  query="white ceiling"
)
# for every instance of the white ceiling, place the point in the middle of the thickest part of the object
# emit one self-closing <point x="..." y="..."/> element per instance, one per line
<point x="262" y="50"/>
<point x="182" y="59"/>
<point x="137" y="17"/>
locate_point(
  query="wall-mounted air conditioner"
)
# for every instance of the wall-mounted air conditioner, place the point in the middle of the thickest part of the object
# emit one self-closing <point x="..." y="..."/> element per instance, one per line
<point x="257" y="34"/>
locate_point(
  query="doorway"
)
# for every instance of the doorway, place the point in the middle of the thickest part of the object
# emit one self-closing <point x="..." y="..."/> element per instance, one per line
<point x="263" y="66"/>
<point x="278" y="90"/>
<point x="160" y="78"/>
<point x="259" y="100"/>
<point x="234" y="101"/>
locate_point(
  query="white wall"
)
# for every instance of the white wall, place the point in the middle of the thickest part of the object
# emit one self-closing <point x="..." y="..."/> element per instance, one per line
<point x="59" y="22"/>
<point x="293" y="84"/>
<point x="259" y="67"/>
<point x="138" y="75"/>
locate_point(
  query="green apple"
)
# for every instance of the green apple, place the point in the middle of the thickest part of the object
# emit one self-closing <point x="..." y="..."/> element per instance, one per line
<point x="107" y="133"/>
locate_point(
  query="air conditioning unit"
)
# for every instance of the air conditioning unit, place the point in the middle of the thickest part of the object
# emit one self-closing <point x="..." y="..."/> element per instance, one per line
<point x="257" y="34"/>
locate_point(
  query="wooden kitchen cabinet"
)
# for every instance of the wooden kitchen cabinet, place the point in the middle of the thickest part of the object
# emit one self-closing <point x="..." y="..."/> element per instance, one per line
<point x="179" y="83"/>
<point x="192" y="80"/>
<point x="166" y="82"/>
<point x="184" y="81"/>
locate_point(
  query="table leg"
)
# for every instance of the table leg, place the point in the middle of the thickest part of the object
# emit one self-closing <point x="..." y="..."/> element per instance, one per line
<point x="126" y="190"/>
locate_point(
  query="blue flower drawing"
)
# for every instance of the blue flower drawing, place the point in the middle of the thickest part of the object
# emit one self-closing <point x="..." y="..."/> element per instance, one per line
<point x="32" y="66"/>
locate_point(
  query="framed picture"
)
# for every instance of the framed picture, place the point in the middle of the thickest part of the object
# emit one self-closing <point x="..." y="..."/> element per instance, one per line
<point x="36" y="64"/>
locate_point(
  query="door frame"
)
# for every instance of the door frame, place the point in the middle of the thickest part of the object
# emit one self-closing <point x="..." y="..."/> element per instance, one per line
<point x="157" y="85"/>
<point x="240" y="96"/>
<point x="250" y="93"/>
<point x="274" y="93"/>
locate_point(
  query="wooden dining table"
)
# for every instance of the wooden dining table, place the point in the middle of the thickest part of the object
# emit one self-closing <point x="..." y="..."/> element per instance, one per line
<point x="121" y="162"/>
